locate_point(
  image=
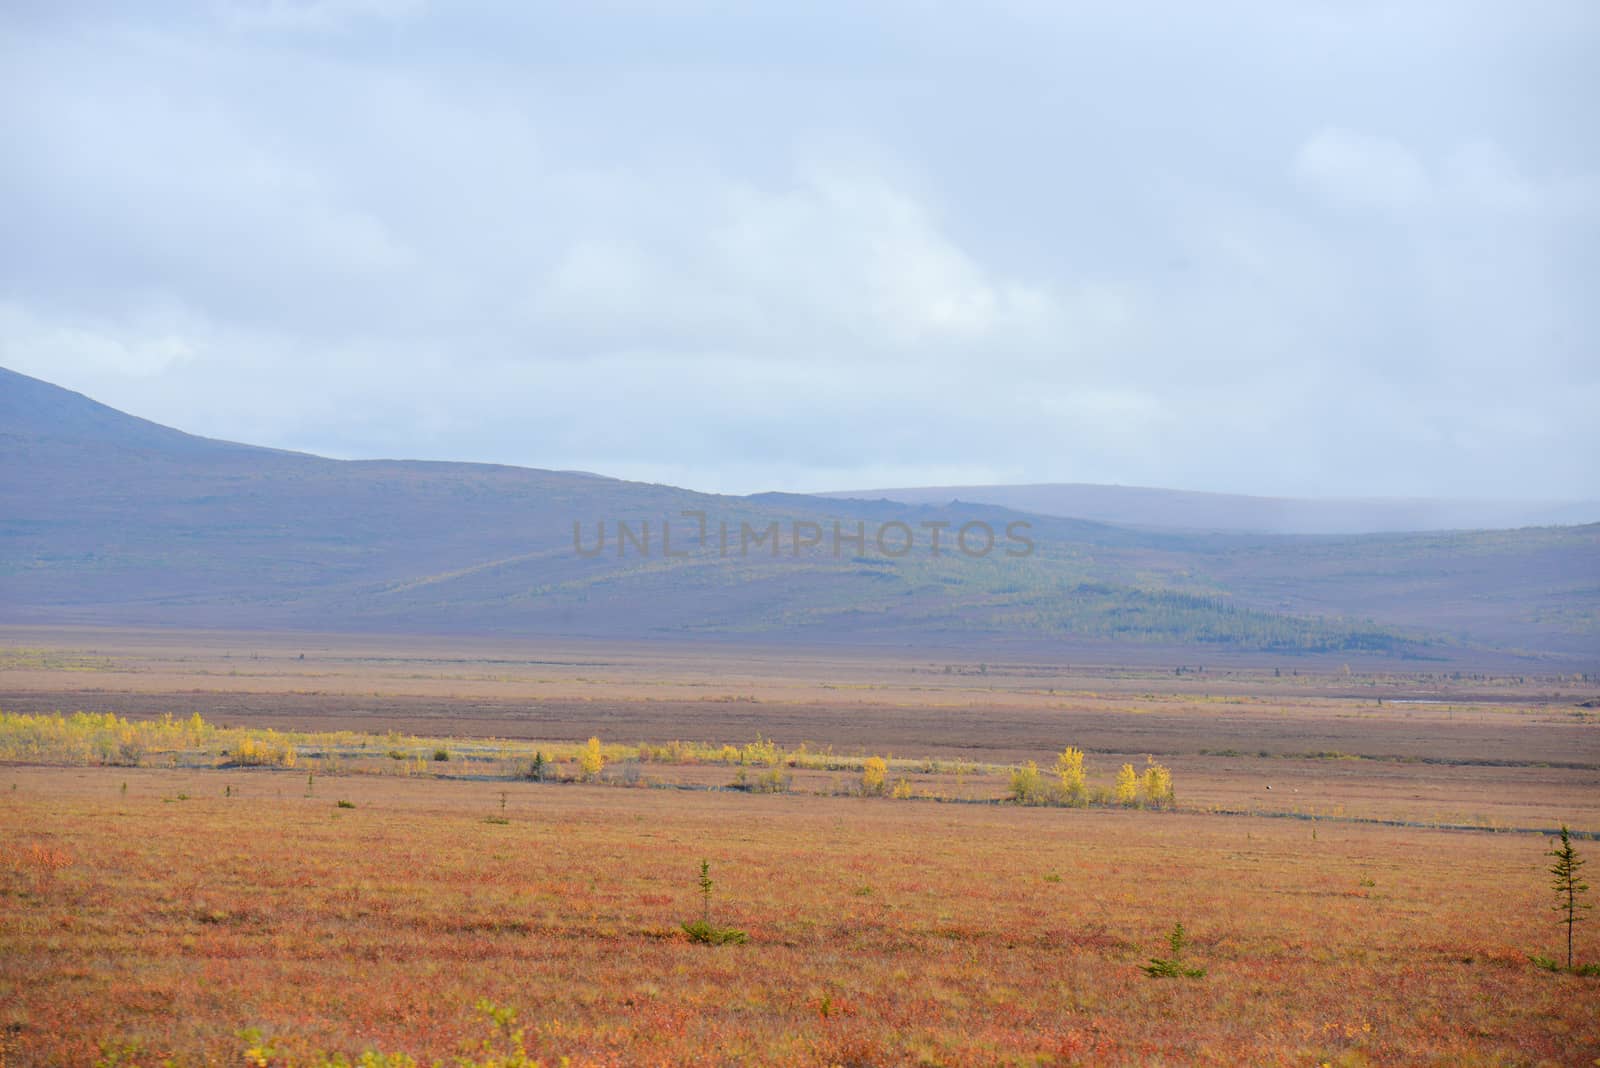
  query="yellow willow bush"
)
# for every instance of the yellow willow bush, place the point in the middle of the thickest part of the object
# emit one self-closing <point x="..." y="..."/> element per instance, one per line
<point x="591" y="759"/>
<point x="674" y="752"/>
<point x="1126" y="790"/>
<point x="1028" y="786"/>
<point x="1069" y="770"/>
<point x="1156" y="784"/>
<point x="819" y="760"/>
<point x="681" y="752"/>
<point x="268" y="751"/>
<point x="105" y="738"/>
<point x="96" y="737"/>
<point x="873" y="772"/>
<point x="763" y="752"/>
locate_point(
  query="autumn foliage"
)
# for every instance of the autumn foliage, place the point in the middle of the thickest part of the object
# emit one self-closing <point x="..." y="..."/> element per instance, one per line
<point x="185" y="923"/>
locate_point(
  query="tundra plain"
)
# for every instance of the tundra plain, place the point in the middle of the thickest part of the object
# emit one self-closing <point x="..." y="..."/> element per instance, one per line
<point x="1377" y="905"/>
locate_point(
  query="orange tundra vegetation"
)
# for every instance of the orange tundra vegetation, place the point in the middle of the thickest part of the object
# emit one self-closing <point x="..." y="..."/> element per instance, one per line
<point x="192" y="915"/>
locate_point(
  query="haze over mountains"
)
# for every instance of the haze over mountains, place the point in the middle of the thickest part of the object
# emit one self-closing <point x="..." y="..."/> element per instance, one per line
<point x="1188" y="510"/>
<point x="107" y="518"/>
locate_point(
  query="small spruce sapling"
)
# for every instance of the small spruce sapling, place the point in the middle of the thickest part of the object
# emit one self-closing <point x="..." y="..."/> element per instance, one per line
<point x="1173" y="967"/>
<point x="702" y="930"/>
<point x="1569" y="887"/>
<point x="705" y="891"/>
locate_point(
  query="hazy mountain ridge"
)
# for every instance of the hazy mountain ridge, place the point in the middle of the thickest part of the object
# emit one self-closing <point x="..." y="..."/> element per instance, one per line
<point x="1238" y="513"/>
<point x="108" y="518"/>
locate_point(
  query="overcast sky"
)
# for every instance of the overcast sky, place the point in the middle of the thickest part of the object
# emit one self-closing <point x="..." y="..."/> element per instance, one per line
<point x="1306" y="248"/>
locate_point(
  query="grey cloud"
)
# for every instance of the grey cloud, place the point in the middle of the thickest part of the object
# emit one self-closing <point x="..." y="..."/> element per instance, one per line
<point x="1318" y="248"/>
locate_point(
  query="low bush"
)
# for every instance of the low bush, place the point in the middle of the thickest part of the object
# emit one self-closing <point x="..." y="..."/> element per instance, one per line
<point x="873" y="772"/>
<point x="1028" y="786"/>
<point x="1173" y="967"/>
<point x="712" y="935"/>
<point x="703" y="930"/>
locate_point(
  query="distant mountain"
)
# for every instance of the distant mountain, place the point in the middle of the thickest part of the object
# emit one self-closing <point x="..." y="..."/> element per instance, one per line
<point x="1235" y="513"/>
<point x="107" y="518"/>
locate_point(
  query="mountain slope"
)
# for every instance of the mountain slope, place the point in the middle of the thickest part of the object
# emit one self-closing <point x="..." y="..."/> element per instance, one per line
<point x="1187" y="510"/>
<point x="106" y="518"/>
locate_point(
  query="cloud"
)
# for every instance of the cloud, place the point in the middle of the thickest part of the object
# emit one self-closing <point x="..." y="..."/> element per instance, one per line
<point x="824" y="247"/>
<point x="835" y="266"/>
<point x="310" y="15"/>
<point x="156" y="346"/>
<point x="1364" y="170"/>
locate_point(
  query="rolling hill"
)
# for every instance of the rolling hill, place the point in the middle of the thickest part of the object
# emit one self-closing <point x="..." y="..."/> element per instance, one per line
<point x="1237" y="513"/>
<point x="109" y="519"/>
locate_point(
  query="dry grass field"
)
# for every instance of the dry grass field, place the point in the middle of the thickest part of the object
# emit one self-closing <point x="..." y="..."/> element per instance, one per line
<point x="358" y="902"/>
<point x="1405" y="742"/>
<point x="881" y="932"/>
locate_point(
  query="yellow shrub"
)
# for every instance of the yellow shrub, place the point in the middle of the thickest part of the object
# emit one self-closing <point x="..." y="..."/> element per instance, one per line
<point x="1127" y="788"/>
<point x="674" y="752"/>
<point x="1157" y="784"/>
<point x="591" y="759"/>
<point x="89" y="737"/>
<point x="1027" y="785"/>
<point x="762" y="751"/>
<point x="1069" y="769"/>
<point x="902" y="789"/>
<point x="267" y="751"/>
<point x="872" y="775"/>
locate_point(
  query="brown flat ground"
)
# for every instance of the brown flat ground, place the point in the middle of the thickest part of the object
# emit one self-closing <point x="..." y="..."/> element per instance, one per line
<point x="1433" y="746"/>
<point x="152" y="913"/>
